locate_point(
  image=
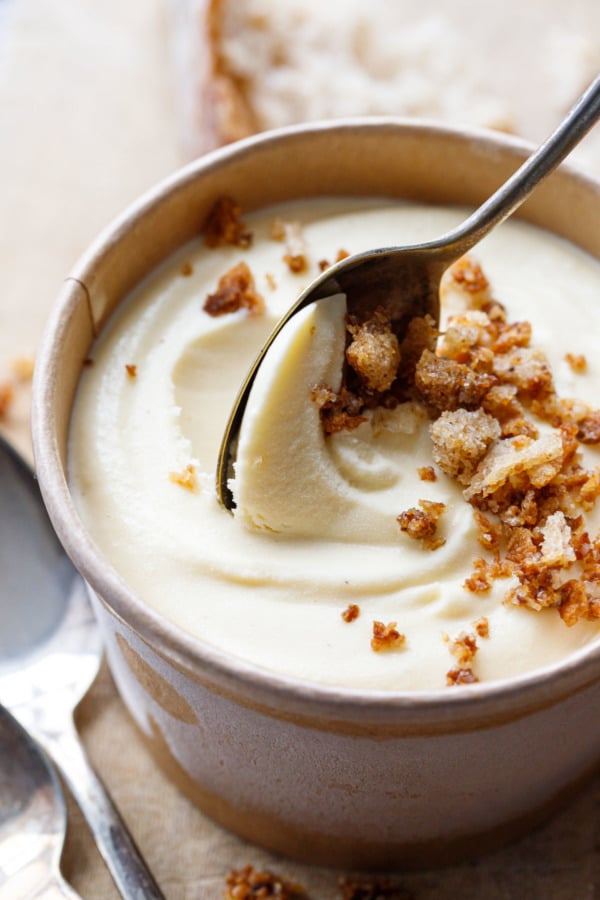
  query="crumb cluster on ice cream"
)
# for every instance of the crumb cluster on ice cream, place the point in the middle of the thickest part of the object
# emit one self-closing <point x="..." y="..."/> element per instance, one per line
<point x="413" y="510"/>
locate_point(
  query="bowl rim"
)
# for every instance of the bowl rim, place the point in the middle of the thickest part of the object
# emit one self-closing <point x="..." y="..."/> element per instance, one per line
<point x="237" y="678"/>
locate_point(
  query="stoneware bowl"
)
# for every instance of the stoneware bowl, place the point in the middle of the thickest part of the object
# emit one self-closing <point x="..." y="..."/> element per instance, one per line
<point x="339" y="777"/>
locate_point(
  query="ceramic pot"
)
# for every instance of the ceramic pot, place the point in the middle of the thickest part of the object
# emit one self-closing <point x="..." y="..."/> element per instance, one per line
<point x="333" y="776"/>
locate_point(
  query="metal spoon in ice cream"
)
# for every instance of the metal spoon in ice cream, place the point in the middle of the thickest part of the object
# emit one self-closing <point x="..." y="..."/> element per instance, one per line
<point x="406" y="280"/>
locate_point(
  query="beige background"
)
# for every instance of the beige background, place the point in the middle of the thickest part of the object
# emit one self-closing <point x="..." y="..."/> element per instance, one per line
<point x="88" y="121"/>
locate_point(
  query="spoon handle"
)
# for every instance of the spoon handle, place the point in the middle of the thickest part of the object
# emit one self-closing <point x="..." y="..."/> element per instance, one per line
<point x="582" y="117"/>
<point x="130" y="873"/>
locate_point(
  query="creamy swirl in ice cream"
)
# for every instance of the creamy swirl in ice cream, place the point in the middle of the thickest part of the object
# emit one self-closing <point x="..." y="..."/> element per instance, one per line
<point x="315" y="529"/>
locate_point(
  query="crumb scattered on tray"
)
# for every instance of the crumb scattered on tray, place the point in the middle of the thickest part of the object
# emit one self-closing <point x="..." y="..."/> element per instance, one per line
<point x="131" y="370"/>
<point x="250" y="884"/>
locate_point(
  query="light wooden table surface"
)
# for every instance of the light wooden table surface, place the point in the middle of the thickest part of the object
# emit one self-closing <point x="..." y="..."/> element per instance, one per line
<point x="87" y="122"/>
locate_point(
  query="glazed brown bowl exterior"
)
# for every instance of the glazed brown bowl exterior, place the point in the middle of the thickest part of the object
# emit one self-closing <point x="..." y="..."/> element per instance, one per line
<point x="334" y="776"/>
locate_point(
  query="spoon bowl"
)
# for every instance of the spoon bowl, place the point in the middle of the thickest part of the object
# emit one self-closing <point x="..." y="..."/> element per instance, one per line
<point x="405" y="281"/>
<point x="50" y="652"/>
<point x="33" y="818"/>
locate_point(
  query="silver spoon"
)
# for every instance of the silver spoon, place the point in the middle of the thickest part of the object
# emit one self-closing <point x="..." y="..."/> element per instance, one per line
<point x="50" y="652"/>
<point x="33" y="818"/>
<point x="406" y="280"/>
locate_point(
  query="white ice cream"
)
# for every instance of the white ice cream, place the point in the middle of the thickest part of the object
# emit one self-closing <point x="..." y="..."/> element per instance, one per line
<point x="270" y="584"/>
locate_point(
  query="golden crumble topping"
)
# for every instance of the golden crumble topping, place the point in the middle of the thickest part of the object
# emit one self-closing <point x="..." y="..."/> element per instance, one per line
<point x="463" y="648"/>
<point x="386" y="637"/>
<point x="374" y="352"/>
<point x="235" y="290"/>
<point x="421" y="524"/>
<point x="577" y="362"/>
<point x="186" y="479"/>
<point x="499" y="429"/>
<point x="325" y="264"/>
<point x="22" y="367"/>
<point x="351" y="612"/>
<point x="7" y="396"/>
<point x="224" y="225"/>
<point x="296" y="262"/>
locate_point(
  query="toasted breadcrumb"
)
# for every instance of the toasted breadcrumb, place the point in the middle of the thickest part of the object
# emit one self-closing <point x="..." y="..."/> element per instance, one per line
<point x="577" y="362"/>
<point x="489" y="533"/>
<point x="468" y="275"/>
<point x="444" y="384"/>
<point x="500" y="430"/>
<point x="290" y="233"/>
<point x="351" y="612"/>
<point x="250" y="884"/>
<point x="421" y="334"/>
<point x="426" y="473"/>
<point x="485" y="573"/>
<point x="528" y="369"/>
<point x="277" y="229"/>
<point x="386" y="637"/>
<point x="589" y="428"/>
<point x="460" y="676"/>
<point x="186" y="269"/>
<point x="235" y="290"/>
<point x="325" y="264"/>
<point x="270" y="279"/>
<point x="461" y="438"/>
<point x="511" y="335"/>
<point x="7" y="396"/>
<point x="296" y="262"/>
<point x="482" y="627"/>
<point x="224" y="226"/>
<point x="22" y="367"/>
<point x="374" y="352"/>
<point x="186" y="479"/>
<point x="589" y="490"/>
<point x="463" y="648"/>
<point x="421" y="524"/>
<point x="339" y="411"/>
<point x="131" y="370"/>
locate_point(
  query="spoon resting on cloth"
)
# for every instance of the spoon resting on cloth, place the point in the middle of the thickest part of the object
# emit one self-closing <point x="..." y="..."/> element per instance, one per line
<point x="405" y="281"/>
<point x="50" y="653"/>
<point x="33" y="818"/>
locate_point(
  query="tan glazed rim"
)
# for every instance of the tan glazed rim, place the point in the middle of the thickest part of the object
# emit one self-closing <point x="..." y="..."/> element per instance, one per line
<point x="424" y="161"/>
